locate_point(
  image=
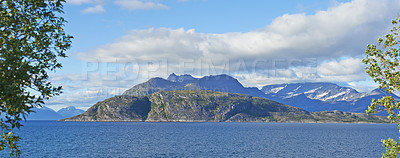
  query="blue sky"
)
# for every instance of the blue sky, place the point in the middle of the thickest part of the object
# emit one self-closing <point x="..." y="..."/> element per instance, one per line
<point x="120" y="43"/>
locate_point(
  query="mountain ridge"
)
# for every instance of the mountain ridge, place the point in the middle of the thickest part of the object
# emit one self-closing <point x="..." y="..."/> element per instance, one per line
<point x="46" y="113"/>
<point x="311" y="96"/>
<point x="220" y="83"/>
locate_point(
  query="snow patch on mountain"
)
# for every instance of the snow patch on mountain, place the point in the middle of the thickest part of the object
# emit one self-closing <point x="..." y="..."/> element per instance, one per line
<point x="312" y="91"/>
<point x="335" y="95"/>
<point x="292" y="95"/>
<point x="276" y="90"/>
<point x="297" y="88"/>
<point x="319" y="96"/>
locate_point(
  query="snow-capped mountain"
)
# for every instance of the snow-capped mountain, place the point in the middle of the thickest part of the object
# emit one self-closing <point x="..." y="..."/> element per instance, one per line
<point x="328" y="92"/>
<point x="322" y="96"/>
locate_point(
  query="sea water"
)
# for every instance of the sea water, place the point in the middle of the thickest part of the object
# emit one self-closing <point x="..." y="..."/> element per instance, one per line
<point x="166" y="139"/>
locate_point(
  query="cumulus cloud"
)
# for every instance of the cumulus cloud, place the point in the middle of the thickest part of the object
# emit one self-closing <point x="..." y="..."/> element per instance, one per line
<point x="347" y="70"/>
<point x="94" y="9"/>
<point x="139" y="4"/>
<point x="344" y="67"/>
<point x="343" y="30"/>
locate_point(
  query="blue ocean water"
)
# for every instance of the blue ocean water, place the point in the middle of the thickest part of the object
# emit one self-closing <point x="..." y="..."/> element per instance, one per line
<point x="142" y="139"/>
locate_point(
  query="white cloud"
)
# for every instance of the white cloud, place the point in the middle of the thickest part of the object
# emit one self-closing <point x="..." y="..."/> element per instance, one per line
<point x="347" y="70"/>
<point x="341" y="30"/>
<point x="95" y="9"/>
<point x="79" y="2"/>
<point x="259" y="80"/>
<point x="344" y="67"/>
<point x="139" y="4"/>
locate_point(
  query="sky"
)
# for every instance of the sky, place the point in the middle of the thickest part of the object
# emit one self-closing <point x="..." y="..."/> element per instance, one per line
<point x="120" y="43"/>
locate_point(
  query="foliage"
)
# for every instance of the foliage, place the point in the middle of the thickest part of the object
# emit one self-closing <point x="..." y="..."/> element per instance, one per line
<point x="383" y="66"/>
<point x="31" y="39"/>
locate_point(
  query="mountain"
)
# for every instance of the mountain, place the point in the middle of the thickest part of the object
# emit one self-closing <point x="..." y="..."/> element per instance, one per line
<point x="44" y="113"/>
<point x="322" y="96"/>
<point x="220" y="83"/>
<point x="69" y="111"/>
<point x="318" y="96"/>
<point x="207" y="106"/>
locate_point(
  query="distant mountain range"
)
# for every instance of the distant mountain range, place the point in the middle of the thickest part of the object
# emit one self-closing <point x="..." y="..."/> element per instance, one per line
<point x="69" y="111"/>
<point x="46" y="113"/>
<point x="320" y="96"/>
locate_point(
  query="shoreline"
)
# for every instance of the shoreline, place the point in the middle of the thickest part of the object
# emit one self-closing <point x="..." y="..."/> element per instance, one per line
<point x="200" y="121"/>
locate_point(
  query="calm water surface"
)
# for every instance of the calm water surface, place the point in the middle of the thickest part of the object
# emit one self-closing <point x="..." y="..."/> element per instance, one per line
<point x="139" y="139"/>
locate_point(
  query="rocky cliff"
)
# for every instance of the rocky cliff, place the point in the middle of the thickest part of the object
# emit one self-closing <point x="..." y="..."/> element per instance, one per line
<point x="207" y="106"/>
<point x="118" y="108"/>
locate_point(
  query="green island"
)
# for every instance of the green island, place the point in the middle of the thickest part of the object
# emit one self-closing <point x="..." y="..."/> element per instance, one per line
<point x="210" y="106"/>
